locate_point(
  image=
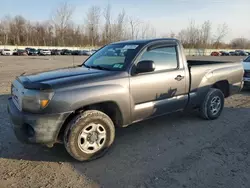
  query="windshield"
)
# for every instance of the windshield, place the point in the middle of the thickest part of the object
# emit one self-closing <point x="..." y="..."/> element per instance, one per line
<point x="113" y="57"/>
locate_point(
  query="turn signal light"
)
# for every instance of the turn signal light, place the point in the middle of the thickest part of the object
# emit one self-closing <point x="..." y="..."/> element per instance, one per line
<point x="44" y="103"/>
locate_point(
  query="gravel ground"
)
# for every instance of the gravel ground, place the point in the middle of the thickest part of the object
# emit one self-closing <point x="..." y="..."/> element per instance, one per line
<point x="178" y="150"/>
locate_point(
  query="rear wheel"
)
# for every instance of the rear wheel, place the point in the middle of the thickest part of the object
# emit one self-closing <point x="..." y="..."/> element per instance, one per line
<point x="212" y="105"/>
<point x="89" y="135"/>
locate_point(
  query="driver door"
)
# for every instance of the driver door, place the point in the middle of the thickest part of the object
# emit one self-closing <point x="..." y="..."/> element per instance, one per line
<point x="161" y="91"/>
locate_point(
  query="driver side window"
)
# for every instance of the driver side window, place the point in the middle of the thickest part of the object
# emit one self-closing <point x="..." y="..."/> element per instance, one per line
<point x="163" y="57"/>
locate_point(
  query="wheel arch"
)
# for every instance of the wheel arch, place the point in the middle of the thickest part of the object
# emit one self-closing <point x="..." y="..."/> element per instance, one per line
<point x="110" y="108"/>
<point x="224" y="86"/>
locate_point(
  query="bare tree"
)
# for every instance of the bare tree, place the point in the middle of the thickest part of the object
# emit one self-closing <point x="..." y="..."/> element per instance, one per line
<point x="29" y="31"/>
<point x="92" y="24"/>
<point x="190" y="36"/>
<point x="134" y="25"/>
<point x="195" y="36"/>
<point x="240" y="43"/>
<point x="119" y="29"/>
<point x="61" y="20"/>
<point x="147" y="31"/>
<point x="182" y="36"/>
<point x="18" y="29"/>
<point x="5" y="29"/>
<point x="107" y="25"/>
<point x="206" y="31"/>
<point x="172" y="34"/>
<point x="60" y="30"/>
<point x="144" y="30"/>
<point x="222" y="31"/>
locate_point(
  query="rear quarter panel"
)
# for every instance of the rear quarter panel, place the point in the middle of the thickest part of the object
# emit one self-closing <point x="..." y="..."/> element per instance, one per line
<point x="204" y="76"/>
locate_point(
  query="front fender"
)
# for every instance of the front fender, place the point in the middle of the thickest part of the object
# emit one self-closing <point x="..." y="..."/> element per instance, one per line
<point x="73" y="99"/>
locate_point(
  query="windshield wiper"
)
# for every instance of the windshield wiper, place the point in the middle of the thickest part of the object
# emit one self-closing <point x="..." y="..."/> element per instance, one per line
<point x="98" y="67"/>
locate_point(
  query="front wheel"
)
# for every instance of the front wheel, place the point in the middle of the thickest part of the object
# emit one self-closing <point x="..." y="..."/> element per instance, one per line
<point x="212" y="105"/>
<point x="89" y="135"/>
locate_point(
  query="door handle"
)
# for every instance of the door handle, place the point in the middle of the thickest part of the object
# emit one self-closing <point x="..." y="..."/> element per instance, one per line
<point x="179" y="78"/>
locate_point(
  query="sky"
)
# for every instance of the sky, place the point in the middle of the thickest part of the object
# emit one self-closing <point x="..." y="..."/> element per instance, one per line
<point x="164" y="15"/>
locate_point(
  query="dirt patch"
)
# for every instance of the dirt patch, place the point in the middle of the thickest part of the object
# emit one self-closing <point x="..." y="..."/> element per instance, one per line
<point x="23" y="173"/>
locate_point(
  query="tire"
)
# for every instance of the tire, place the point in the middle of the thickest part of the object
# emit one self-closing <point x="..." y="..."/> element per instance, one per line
<point x="206" y="111"/>
<point x="93" y="125"/>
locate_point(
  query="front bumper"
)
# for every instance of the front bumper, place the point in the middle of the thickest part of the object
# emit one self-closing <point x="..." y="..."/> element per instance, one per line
<point x="35" y="128"/>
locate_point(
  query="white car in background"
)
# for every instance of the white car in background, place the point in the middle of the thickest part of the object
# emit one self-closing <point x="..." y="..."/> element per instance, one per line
<point x="44" y="52"/>
<point x="246" y="66"/>
<point x="6" y="52"/>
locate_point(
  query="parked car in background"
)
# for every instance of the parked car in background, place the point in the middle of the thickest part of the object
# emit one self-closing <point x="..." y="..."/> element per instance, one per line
<point x="15" y="50"/>
<point x="215" y="53"/>
<point x="66" y="52"/>
<point x="76" y="52"/>
<point x="86" y="52"/>
<point x="246" y="77"/>
<point x="44" y="52"/>
<point x="82" y="105"/>
<point x="27" y="49"/>
<point x="243" y="53"/>
<point x="20" y="52"/>
<point x="93" y="51"/>
<point x="237" y="52"/>
<point x="6" y="52"/>
<point x="232" y="53"/>
<point x="32" y="51"/>
<point x="38" y="50"/>
<point x="224" y="53"/>
<point x="240" y="53"/>
<point x="56" y="52"/>
<point x="83" y="52"/>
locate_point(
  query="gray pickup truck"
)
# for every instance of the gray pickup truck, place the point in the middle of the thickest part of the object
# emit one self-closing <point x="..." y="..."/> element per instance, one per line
<point x="120" y="84"/>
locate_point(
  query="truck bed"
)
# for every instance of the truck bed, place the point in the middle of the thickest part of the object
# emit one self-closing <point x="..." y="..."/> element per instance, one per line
<point x="202" y="62"/>
<point x="203" y="73"/>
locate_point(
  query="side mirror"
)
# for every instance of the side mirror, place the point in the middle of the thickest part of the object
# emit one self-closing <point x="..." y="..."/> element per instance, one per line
<point x="145" y="66"/>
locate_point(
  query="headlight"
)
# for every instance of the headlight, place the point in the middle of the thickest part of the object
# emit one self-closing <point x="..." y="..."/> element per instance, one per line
<point x="35" y="101"/>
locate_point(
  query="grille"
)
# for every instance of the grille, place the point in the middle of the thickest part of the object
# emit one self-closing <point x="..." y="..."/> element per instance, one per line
<point x="16" y="93"/>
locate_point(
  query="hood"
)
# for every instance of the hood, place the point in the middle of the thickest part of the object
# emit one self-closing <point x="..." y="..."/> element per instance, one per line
<point x="246" y="65"/>
<point x="62" y="77"/>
